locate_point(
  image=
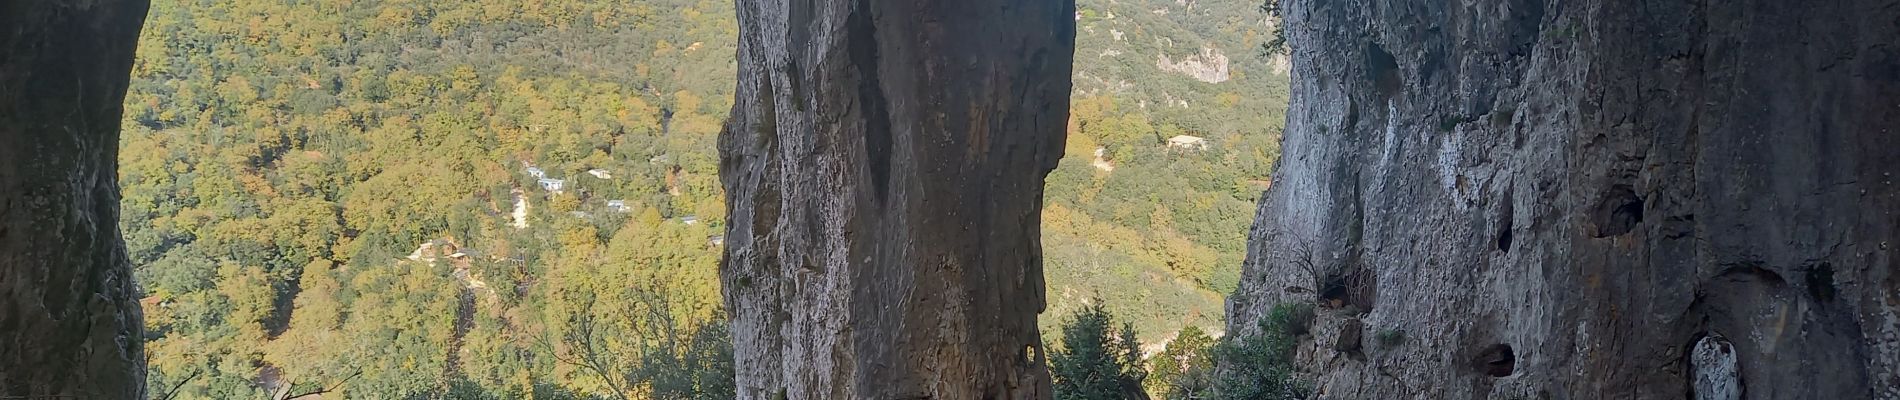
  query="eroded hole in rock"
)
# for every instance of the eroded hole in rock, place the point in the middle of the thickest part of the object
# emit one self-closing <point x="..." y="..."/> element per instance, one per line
<point x="1497" y="361"/>
<point x="1752" y="270"/>
<point x="1505" y="223"/>
<point x="1504" y="237"/>
<point x="1618" y="211"/>
<point x="1382" y="69"/>
<point x="1352" y="116"/>
<point x="1332" y="291"/>
<point x="1820" y="279"/>
<point x="1352" y="287"/>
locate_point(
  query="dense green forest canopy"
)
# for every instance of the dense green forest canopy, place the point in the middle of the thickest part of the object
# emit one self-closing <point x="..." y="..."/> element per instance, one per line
<point x="513" y="199"/>
<point x="1159" y="232"/>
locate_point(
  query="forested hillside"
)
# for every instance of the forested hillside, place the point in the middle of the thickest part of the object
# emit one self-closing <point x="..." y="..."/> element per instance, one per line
<point x="1156" y="232"/>
<point x="495" y="199"/>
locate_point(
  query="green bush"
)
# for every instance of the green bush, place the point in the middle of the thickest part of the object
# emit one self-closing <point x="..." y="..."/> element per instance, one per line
<point x="1292" y="320"/>
<point x="1180" y="370"/>
<point x="1390" y="337"/>
<point x="1260" y="367"/>
<point x="1092" y="363"/>
<point x="697" y="367"/>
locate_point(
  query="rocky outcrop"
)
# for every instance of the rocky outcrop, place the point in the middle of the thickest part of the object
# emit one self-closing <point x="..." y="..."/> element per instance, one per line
<point x="1209" y="66"/>
<point x="1557" y="200"/>
<point x="70" y="324"/>
<point x="883" y="167"/>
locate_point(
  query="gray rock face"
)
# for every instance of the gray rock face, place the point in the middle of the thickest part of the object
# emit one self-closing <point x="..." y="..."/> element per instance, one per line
<point x="884" y="166"/>
<point x="70" y="322"/>
<point x="1560" y="199"/>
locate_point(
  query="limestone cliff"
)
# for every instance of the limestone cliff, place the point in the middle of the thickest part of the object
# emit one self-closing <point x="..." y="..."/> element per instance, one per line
<point x="69" y="320"/>
<point x="1589" y="199"/>
<point x="883" y="165"/>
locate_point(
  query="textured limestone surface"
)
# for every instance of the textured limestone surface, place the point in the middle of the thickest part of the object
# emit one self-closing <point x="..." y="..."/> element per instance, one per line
<point x="1562" y="199"/>
<point x="883" y="166"/>
<point x="70" y="324"/>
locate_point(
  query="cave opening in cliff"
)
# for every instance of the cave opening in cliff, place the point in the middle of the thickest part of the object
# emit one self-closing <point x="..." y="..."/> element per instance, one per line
<point x="1618" y="211"/>
<point x="1506" y="219"/>
<point x="1351" y="287"/>
<point x="1497" y="360"/>
<point x="1820" y="282"/>
<point x="1382" y="70"/>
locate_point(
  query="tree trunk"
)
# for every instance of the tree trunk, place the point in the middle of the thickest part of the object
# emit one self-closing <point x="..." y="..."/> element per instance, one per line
<point x="70" y="322"/>
<point x="884" y="167"/>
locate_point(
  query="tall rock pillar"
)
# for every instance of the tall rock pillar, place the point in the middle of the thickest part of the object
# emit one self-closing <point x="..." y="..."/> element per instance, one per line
<point x="884" y="165"/>
<point x="70" y="322"/>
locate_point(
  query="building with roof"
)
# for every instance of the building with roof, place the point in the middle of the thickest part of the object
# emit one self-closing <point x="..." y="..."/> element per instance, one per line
<point x="1185" y="142"/>
<point x="552" y="185"/>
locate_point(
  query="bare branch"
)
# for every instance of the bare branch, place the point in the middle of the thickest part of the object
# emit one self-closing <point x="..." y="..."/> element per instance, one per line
<point x="319" y="391"/>
<point x="180" y="385"/>
<point x="581" y="338"/>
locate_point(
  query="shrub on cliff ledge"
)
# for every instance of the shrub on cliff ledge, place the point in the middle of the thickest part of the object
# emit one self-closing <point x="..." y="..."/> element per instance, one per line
<point x="1260" y="367"/>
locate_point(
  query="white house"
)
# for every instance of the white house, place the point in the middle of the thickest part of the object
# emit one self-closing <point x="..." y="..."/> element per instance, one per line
<point x="600" y="173"/>
<point x="1186" y="142"/>
<point x="552" y="185"/>
<point x="537" y="173"/>
<point x="716" y="240"/>
<point x="618" y="205"/>
<point x="689" y="220"/>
